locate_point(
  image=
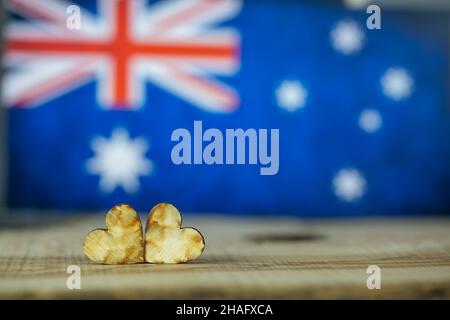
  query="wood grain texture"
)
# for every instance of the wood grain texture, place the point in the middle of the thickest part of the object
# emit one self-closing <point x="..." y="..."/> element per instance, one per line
<point x="244" y="258"/>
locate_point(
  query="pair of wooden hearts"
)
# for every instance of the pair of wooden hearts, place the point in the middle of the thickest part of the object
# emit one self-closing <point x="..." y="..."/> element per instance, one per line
<point x="122" y="242"/>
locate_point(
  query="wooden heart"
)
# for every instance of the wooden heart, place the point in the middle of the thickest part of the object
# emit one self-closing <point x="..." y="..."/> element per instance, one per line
<point x="121" y="243"/>
<point x="166" y="241"/>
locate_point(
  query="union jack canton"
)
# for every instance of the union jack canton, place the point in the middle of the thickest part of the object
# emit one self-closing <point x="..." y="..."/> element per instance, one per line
<point x="172" y="44"/>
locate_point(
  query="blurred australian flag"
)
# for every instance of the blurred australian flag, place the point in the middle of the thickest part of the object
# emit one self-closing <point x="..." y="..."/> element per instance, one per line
<point x="363" y="114"/>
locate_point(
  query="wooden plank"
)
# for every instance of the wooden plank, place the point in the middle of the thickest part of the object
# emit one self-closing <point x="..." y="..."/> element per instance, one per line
<point x="244" y="258"/>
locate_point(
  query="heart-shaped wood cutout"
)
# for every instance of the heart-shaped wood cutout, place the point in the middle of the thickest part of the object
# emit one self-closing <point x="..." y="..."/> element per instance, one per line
<point x="166" y="241"/>
<point x="119" y="244"/>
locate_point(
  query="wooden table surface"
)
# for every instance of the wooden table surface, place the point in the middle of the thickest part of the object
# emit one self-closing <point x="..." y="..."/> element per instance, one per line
<point x="251" y="258"/>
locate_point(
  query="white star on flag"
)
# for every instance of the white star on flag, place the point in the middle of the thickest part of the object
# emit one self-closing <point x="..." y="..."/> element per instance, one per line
<point x="349" y="185"/>
<point x="291" y="95"/>
<point x="347" y="37"/>
<point x="370" y="120"/>
<point x="119" y="161"/>
<point x="397" y="84"/>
